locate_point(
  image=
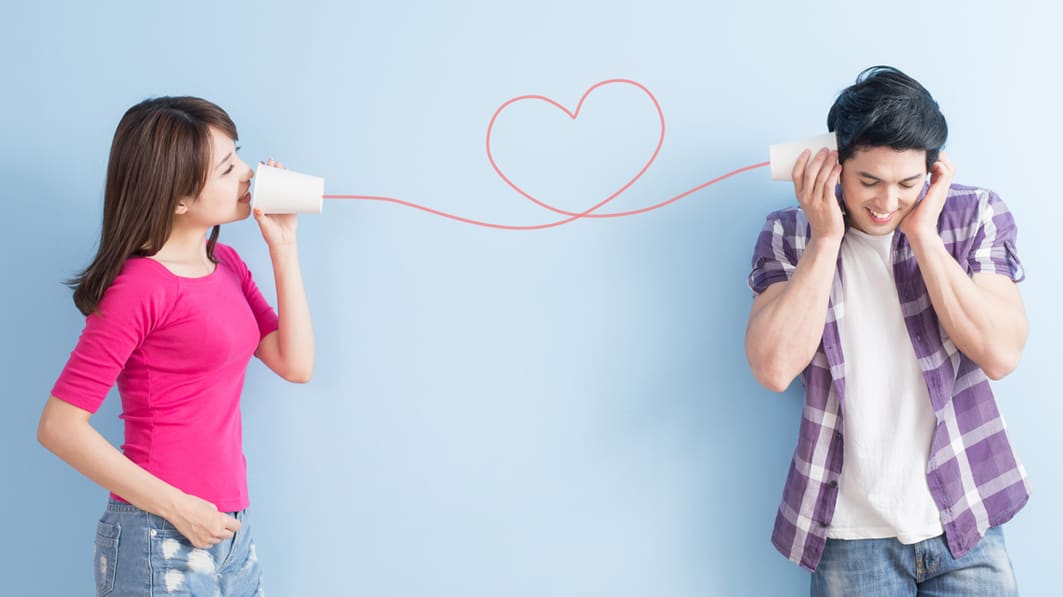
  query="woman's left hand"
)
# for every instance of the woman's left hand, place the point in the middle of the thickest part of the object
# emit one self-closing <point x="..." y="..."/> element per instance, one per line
<point x="278" y="230"/>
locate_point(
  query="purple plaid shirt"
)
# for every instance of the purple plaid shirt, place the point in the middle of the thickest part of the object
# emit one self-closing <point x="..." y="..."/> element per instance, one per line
<point x="973" y="474"/>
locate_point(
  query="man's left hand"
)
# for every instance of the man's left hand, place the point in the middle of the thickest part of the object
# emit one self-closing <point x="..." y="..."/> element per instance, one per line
<point x="922" y="221"/>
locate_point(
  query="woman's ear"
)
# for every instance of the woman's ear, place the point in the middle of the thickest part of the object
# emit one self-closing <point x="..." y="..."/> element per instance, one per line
<point x="181" y="207"/>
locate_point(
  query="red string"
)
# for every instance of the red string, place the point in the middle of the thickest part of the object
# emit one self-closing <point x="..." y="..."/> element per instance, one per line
<point x="572" y="216"/>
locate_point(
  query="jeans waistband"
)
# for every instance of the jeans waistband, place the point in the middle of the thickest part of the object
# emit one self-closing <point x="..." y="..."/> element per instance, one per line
<point x="114" y="505"/>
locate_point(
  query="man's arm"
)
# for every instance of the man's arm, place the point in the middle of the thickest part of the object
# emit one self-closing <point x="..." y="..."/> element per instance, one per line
<point x="983" y="314"/>
<point x="786" y="321"/>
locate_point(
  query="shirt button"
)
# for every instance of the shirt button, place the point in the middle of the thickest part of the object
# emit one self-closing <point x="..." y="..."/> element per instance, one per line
<point x="823" y="524"/>
<point x="833" y="483"/>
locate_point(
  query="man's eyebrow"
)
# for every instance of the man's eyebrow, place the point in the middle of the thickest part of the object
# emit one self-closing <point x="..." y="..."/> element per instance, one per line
<point x="863" y="174"/>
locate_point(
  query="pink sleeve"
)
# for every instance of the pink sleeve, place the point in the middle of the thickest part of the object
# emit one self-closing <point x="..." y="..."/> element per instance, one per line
<point x="132" y="306"/>
<point x="264" y="313"/>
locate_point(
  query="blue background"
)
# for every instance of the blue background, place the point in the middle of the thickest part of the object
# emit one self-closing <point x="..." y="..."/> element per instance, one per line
<point x="565" y="412"/>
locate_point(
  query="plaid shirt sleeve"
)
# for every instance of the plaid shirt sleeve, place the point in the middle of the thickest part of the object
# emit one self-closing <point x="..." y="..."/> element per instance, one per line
<point x="993" y="249"/>
<point x="778" y="248"/>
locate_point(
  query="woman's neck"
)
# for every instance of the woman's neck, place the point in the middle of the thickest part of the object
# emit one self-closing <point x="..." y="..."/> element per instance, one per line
<point x="185" y="253"/>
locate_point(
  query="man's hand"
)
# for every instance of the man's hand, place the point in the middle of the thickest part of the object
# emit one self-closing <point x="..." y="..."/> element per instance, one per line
<point x="922" y="222"/>
<point x="815" y="179"/>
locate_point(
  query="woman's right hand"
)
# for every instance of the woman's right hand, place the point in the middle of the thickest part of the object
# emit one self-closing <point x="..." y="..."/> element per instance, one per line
<point x="201" y="522"/>
<point x="65" y="430"/>
<point x="815" y="179"/>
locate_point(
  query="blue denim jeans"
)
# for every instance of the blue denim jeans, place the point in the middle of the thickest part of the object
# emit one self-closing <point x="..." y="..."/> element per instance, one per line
<point x="140" y="554"/>
<point x="887" y="568"/>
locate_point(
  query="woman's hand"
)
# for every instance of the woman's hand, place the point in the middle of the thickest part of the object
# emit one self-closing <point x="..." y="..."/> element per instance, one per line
<point x="201" y="523"/>
<point x="278" y="230"/>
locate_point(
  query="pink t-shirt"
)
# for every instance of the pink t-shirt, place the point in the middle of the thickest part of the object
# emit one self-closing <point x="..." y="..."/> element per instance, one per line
<point x="178" y="348"/>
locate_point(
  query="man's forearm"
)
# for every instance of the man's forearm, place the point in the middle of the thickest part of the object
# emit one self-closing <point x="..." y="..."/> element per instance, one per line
<point x="985" y="319"/>
<point x="785" y="331"/>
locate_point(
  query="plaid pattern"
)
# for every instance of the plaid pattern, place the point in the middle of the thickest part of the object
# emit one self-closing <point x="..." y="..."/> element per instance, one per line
<point x="973" y="475"/>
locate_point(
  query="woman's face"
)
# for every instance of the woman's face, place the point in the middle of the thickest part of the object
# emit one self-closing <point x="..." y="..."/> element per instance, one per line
<point x="226" y="197"/>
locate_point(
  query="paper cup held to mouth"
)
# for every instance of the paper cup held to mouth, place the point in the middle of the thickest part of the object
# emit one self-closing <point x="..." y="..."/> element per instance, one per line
<point x="279" y="191"/>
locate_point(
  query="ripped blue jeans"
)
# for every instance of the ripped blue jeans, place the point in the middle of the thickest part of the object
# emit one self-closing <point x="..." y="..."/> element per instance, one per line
<point x="140" y="554"/>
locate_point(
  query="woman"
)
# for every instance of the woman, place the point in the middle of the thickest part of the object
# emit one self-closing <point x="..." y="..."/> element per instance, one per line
<point x="174" y="317"/>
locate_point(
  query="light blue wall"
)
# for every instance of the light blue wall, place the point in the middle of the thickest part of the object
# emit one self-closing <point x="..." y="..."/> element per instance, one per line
<point x="565" y="412"/>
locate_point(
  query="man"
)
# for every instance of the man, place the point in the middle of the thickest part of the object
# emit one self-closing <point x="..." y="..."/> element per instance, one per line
<point x="895" y="297"/>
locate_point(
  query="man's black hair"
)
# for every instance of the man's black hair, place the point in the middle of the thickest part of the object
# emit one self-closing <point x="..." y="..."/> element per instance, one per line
<point x="887" y="108"/>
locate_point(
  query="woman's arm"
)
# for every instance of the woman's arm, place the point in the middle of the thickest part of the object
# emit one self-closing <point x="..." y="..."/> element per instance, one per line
<point x="65" y="430"/>
<point x="289" y="351"/>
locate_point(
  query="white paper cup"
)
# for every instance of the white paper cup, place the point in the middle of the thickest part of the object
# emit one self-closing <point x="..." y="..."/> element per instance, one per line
<point x="784" y="155"/>
<point x="279" y="191"/>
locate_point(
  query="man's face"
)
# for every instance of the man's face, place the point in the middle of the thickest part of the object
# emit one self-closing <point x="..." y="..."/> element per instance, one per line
<point x="880" y="185"/>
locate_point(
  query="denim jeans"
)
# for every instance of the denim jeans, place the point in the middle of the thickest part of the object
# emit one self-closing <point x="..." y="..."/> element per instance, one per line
<point x="887" y="568"/>
<point x="140" y="554"/>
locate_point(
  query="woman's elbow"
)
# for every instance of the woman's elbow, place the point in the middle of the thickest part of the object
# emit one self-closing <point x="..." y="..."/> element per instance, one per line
<point x="299" y="374"/>
<point x="47" y="431"/>
<point x="59" y="422"/>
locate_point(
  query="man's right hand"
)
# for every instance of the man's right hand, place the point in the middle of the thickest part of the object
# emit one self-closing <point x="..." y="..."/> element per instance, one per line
<point x="815" y="178"/>
<point x="201" y="522"/>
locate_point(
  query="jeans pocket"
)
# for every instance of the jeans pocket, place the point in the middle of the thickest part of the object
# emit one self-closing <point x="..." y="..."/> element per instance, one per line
<point x="105" y="556"/>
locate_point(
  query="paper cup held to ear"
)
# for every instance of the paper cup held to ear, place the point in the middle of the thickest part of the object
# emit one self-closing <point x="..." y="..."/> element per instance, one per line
<point x="279" y="191"/>
<point x="783" y="156"/>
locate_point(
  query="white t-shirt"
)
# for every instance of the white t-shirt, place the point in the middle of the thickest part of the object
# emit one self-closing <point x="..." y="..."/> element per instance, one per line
<point x="887" y="417"/>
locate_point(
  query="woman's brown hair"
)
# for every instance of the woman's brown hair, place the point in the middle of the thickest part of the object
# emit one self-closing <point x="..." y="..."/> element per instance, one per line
<point x="160" y="154"/>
